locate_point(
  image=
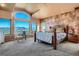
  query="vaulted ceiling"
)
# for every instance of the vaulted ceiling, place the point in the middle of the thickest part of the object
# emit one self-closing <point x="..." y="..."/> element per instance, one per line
<point x="37" y="10"/>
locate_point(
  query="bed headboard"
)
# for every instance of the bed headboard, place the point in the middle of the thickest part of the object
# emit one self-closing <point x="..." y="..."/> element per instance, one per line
<point x="64" y="28"/>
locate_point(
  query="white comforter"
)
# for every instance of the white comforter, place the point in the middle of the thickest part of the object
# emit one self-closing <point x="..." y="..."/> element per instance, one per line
<point x="47" y="37"/>
<point x="1" y="37"/>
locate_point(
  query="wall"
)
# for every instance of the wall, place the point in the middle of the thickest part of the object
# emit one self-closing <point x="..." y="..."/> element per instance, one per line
<point x="5" y="14"/>
<point x="69" y="18"/>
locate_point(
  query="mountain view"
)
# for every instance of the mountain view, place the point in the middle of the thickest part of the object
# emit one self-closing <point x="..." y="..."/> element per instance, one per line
<point x="19" y="24"/>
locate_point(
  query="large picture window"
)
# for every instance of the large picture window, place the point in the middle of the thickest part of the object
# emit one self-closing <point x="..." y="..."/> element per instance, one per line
<point x="43" y="26"/>
<point x="5" y="26"/>
<point x="34" y="26"/>
<point x="21" y="26"/>
<point x="22" y="22"/>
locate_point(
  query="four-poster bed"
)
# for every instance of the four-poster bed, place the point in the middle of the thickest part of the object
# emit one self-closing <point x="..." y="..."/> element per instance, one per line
<point x="52" y="38"/>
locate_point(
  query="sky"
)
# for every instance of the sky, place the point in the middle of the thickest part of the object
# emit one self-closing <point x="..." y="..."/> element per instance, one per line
<point x="6" y="22"/>
<point x="22" y="15"/>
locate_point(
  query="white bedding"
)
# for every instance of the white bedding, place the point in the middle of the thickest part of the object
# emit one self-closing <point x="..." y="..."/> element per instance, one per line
<point x="1" y="37"/>
<point x="47" y="37"/>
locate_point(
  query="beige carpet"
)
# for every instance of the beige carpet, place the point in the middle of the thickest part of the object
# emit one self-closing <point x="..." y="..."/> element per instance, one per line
<point x="30" y="48"/>
<point x="72" y="48"/>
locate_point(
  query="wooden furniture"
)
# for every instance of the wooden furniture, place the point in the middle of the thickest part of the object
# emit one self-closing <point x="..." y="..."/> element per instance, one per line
<point x="19" y="38"/>
<point x="15" y="37"/>
<point x="52" y="38"/>
<point x="12" y="37"/>
<point x="9" y="38"/>
<point x="73" y="38"/>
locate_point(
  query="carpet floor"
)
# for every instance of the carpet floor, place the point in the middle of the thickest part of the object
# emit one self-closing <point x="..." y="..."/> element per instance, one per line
<point x="30" y="48"/>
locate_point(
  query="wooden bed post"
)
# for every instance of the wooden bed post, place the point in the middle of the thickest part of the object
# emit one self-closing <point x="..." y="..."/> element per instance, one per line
<point x="35" y="36"/>
<point x="67" y="30"/>
<point x="54" y="40"/>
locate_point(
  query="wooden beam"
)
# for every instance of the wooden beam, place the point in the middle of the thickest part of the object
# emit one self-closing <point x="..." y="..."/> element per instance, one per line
<point x="39" y="24"/>
<point x="12" y="26"/>
<point x="12" y="22"/>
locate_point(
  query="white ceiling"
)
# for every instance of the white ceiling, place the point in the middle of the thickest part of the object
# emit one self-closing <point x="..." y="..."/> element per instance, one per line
<point x="46" y="9"/>
<point x="54" y="9"/>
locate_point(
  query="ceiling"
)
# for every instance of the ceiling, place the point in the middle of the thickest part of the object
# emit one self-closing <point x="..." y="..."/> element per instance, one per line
<point x="7" y="6"/>
<point x="6" y="10"/>
<point x="39" y="10"/>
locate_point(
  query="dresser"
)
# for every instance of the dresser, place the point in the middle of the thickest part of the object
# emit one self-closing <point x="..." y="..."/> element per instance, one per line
<point x="9" y="38"/>
<point x="74" y="38"/>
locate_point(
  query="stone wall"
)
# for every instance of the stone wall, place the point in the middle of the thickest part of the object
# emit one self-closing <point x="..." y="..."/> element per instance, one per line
<point x="70" y="18"/>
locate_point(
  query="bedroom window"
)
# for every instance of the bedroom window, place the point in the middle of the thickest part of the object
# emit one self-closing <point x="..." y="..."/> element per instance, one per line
<point x="22" y="22"/>
<point x="21" y="26"/>
<point x="34" y="26"/>
<point x="5" y="26"/>
<point x="43" y="26"/>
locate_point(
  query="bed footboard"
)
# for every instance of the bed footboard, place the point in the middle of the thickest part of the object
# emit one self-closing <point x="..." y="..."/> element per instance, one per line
<point x="54" y="40"/>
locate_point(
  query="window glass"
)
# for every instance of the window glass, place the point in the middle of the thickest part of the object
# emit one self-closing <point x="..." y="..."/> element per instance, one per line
<point x="33" y="26"/>
<point x="5" y="26"/>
